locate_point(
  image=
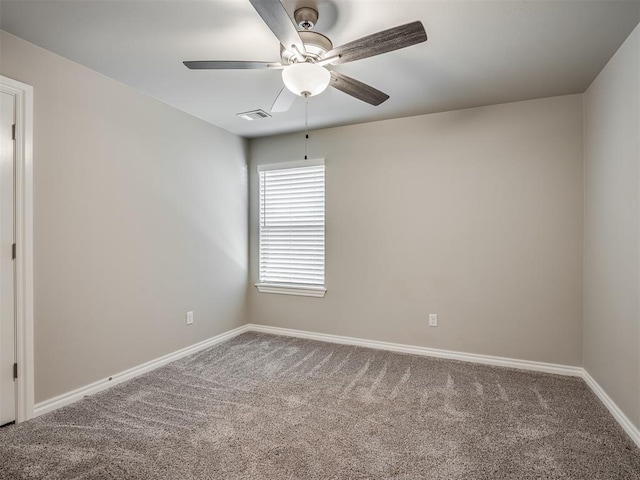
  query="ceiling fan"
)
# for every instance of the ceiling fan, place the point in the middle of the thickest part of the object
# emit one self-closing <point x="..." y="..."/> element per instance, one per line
<point x="306" y="55"/>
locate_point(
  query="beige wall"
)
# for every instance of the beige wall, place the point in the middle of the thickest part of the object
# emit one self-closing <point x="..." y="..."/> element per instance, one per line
<point x="140" y="215"/>
<point x="475" y="215"/>
<point x="612" y="220"/>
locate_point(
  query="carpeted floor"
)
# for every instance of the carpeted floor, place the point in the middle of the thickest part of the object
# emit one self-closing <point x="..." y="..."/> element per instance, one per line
<point x="269" y="407"/>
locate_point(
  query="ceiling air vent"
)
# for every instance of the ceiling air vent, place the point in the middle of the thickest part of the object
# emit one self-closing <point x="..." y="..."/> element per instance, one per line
<point x="254" y="115"/>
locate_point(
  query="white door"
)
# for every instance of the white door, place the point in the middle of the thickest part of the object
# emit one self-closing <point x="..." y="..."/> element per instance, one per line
<point x="7" y="276"/>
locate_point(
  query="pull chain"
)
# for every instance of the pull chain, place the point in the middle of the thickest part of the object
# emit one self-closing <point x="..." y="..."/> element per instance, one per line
<point x="306" y="124"/>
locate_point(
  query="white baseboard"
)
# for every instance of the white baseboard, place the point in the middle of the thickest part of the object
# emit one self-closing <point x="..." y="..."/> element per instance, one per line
<point x="615" y="411"/>
<point x="429" y="352"/>
<point x="95" y="387"/>
<point x="75" y="395"/>
<point x="620" y="417"/>
<point x="618" y="414"/>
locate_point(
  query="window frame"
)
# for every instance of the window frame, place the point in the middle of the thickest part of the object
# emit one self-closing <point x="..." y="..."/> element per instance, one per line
<point x="307" y="290"/>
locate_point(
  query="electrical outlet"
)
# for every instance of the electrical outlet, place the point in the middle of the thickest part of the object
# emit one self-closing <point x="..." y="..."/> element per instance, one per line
<point x="189" y="318"/>
<point x="433" y="320"/>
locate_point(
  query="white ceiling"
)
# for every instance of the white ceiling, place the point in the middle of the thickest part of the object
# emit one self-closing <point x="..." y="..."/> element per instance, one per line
<point x="478" y="52"/>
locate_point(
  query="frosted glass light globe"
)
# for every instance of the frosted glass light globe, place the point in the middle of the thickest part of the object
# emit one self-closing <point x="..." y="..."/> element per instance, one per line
<point x="306" y="79"/>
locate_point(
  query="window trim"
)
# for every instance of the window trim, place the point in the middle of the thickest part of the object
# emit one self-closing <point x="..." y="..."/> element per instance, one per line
<point x="291" y="289"/>
<point x="317" y="291"/>
<point x="315" y="162"/>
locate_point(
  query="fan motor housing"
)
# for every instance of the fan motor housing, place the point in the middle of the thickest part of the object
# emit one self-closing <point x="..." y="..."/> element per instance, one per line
<point x="315" y="44"/>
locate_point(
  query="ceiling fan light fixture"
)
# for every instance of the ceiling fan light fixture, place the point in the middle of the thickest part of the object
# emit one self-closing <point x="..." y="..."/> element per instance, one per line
<point x="306" y="79"/>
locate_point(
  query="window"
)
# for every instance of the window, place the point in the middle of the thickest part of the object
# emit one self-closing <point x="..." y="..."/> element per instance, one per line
<point x="292" y="228"/>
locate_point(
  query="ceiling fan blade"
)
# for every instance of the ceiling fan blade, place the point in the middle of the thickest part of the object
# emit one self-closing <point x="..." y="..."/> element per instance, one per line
<point x="357" y="89"/>
<point x="283" y="101"/>
<point x="378" y="43"/>
<point x="229" y="65"/>
<point x="277" y="19"/>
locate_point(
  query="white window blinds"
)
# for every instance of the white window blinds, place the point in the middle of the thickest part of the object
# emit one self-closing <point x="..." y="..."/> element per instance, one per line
<point x="292" y="223"/>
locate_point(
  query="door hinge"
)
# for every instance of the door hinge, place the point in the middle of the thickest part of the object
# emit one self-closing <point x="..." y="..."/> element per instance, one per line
<point x="13" y="131"/>
<point x="15" y="371"/>
<point x="13" y="251"/>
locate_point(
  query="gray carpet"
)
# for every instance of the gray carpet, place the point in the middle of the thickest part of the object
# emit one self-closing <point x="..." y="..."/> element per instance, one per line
<point x="269" y="407"/>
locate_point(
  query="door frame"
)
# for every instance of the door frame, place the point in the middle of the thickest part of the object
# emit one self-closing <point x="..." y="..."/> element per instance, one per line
<point x="23" y="95"/>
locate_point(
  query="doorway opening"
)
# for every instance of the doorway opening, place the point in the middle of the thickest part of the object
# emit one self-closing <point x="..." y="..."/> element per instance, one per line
<point x="16" y="251"/>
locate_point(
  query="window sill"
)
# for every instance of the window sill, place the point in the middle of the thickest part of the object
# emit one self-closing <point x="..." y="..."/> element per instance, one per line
<point x="300" y="290"/>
